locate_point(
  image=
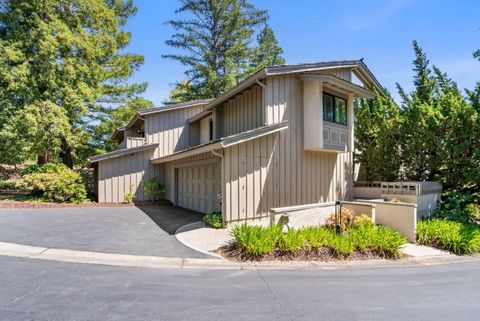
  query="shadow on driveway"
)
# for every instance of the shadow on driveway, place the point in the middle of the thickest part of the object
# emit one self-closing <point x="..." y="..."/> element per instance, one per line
<point x="170" y="218"/>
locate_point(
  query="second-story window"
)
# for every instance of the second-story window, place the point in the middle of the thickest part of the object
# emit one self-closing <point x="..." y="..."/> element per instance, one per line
<point x="210" y="128"/>
<point x="334" y="109"/>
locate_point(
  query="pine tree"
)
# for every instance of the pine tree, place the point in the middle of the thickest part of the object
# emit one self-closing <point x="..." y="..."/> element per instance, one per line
<point x="66" y="55"/>
<point x="214" y="38"/>
<point x="268" y="52"/>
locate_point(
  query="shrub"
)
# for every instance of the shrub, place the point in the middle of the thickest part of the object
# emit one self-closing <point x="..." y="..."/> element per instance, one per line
<point x="456" y="237"/>
<point x="54" y="182"/>
<point x="346" y="219"/>
<point x="381" y="240"/>
<point x="255" y="241"/>
<point x="7" y="185"/>
<point x="459" y="207"/>
<point x="213" y="220"/>
<point x="152" y="188"/>
<point x="292" y="241"/>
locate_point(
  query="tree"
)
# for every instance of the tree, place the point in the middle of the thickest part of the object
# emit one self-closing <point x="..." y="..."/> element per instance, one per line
<point x="215" y="38"/>
<point x="268" y="52"/>
<point x="421" y="141"/>
<point x="67" y="55"/>
<point x="377" y="133"/>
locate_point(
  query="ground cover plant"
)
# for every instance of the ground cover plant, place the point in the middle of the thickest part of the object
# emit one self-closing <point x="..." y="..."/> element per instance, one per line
<point x="362" y="240"/>
<point x="213" y="220"/>
<point x="456" y="237"/>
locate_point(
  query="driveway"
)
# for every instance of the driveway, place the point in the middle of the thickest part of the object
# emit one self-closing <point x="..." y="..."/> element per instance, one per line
<point x="146" y="230"/>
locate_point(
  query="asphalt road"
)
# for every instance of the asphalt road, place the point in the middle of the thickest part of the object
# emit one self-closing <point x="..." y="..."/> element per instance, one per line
<point x="43" y="290"/>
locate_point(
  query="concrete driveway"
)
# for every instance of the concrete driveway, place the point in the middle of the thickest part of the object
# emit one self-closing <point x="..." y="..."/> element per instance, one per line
<point x="146" y="230"/>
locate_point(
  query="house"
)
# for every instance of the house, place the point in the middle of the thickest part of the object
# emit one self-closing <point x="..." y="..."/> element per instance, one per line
<point x="282" y="137"/>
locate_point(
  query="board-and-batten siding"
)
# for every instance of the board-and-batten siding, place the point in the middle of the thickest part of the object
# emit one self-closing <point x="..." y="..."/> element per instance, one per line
<point x="169" y="130"/>
<point x="275" y="170"/>
<point x="242" y="113"/>
<point x="120" y="175"/>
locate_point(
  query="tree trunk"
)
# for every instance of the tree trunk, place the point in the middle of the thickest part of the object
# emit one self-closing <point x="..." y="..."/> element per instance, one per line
<point x="43" y="159"/>
<point x="66" y="154"/>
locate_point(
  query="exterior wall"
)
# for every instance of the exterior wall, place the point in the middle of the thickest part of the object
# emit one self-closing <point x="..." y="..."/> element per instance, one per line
<point x="120" y="175"/>
<point x="242" y="113"/>
<point x="205" y="130"/>
<point x="275" y="170"/>
<point x="168" y="128"/>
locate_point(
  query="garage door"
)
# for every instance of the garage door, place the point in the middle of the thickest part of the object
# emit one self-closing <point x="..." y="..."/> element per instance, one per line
<point x="198" y="186"/>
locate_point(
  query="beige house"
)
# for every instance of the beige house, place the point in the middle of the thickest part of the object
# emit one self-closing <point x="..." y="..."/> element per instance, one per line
<point x="282" y="137"/>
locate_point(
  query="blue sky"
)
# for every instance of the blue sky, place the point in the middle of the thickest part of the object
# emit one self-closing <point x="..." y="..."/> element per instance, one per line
<point x="381" y="32"/>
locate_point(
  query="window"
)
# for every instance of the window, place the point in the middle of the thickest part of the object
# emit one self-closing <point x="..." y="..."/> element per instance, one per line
<point x="334" y="109"/>
<point x="210" y="128"/>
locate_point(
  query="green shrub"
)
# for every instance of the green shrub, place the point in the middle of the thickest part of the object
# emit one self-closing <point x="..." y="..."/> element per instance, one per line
<point x="7" y="185"/>
<point x="152" y="188"/>
<point x="54" y="182"/>
<point x="213" y="220"/>
<point x="459" y="207"/>
<point x="255" y="241"/>
<point x="382" y="240"/>
<point x="456" y="237"/>
<point x="292" y="242"/>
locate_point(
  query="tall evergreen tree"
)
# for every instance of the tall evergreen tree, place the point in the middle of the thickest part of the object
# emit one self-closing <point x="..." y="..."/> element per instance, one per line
<point x="215" y="39"/>
<point x="63" y="55"/>
<point x="268" y="52"/>
<point x="377" y="132"/>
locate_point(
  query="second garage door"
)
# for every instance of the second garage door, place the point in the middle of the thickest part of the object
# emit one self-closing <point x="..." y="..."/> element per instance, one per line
<point x="198" y="187"/>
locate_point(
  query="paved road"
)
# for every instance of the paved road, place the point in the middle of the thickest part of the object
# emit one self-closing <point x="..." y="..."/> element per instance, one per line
<point x="143" y="231"/>
<point x="43" y="290"/>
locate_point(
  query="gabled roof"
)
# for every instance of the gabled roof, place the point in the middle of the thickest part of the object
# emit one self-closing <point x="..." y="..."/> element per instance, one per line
<point x="359" y="68"/>
<point x="120" y="152"/>
<point x="155" y="110"/>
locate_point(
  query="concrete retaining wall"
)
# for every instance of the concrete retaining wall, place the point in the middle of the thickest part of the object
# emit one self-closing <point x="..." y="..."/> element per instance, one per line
<point x="303" y="215"/>
<point x="402" y="217"/>
<point x="359" y="208"/>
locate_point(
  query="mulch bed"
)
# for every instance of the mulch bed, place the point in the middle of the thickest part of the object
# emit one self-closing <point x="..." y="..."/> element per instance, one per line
<point x="30" y="205"/>
<point x="323" y="255"/>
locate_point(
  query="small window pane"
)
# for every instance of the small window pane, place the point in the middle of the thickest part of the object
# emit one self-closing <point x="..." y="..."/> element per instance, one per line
<point x="340" y="111"/>
<point x="328" y="108"/>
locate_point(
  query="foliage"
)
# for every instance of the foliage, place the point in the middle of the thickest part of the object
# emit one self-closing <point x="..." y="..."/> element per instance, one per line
<point x="62" y="60"/>
<point x="7" y="185"/>
<point x="213" y="220"/>
<point x="152" y="188"/>
<point x="214" y="38"/>
<point x="128" y="197"/>
<point x="54" y="182"/>
<point x="434" y="135"/>
<point x="254" y="242"/>
<point x="347" y="219"/>
<point x="456" y="237"/>
<point x="268" y="52"/>
<point x="377" y="131"/>
<point x="459" y="207"/>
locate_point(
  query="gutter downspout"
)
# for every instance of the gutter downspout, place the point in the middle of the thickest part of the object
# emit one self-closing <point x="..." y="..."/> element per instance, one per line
<point x="222" y="203"/>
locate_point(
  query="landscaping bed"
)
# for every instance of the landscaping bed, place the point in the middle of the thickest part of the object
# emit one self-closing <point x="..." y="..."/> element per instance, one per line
<point x="321" y="243"/>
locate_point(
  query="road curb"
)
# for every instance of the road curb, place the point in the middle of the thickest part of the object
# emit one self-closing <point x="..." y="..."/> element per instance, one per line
<point x="187" y="244"/>
<point x="128" y="260"/>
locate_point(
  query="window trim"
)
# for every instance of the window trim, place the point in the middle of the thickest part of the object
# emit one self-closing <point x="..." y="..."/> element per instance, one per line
<point x="335" y="109"/>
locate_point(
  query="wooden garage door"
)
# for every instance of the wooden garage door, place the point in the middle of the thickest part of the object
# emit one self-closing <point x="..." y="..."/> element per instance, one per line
<point x="198" y="186"/>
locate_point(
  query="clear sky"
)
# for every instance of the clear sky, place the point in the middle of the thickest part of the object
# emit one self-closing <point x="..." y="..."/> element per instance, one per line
<point x="381" y="32"/>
